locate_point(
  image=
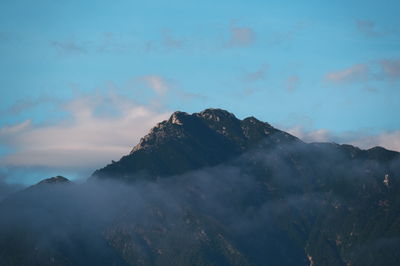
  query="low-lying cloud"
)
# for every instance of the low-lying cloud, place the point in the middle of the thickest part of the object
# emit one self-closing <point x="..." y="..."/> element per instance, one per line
<point x="389" y="139"/>
<point x="253" y="204"/>
<point x="97" y="129"/>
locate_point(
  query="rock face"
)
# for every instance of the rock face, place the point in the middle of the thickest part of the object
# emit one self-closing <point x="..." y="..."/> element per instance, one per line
<point x="210" y="189"/>
<point x="186" y="142"/>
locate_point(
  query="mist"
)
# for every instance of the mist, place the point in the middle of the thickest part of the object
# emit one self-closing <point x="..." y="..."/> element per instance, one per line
<point x="261" y="206"/>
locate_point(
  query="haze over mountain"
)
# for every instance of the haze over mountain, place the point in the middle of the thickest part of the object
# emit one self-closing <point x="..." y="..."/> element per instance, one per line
<point x="210" y="189"/>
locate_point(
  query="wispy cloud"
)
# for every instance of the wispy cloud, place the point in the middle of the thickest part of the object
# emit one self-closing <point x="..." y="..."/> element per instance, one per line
<point x="240" y="36"/>
<point x="292" y="82"/>
<point x="70" y="47"/>
<point x="98" y="129"/>
<point x="256" y="75"/>
<point x="387" y="139"/>
<point x="319" y="135"/>
<point x="288" y="35"/>
<point x="391" y="68"/>
<point x="158" y="84"/>
<point x="105" y="42"/>
<point x="170" y="41"/>
<point x="8" y="36"/>
<point x="116" y="42"/>
<point x="356" y="73"/>
<point x="110" y="42"/>
<point x="378" y="70"/>
<point x="9" y="131"/>
<point x="168" y="90"/>
<point x="23" y="105"/>
<point x="368" y="28"/>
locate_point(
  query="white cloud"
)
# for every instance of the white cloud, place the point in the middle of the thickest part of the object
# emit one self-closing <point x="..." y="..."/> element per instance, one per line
<point x="158" y="84"/>
<point x="321" y="135"/>
<point x="288" y="35"/>
<point x="100" y="128"/>
<point x="389" y="140"/>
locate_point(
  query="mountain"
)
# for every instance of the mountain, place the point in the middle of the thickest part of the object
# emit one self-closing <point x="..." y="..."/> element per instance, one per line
<point x="54" y="180"/>
<point x="50" y="223"/>
<point x="187" y="142"/>
<point x="210" y="189"/>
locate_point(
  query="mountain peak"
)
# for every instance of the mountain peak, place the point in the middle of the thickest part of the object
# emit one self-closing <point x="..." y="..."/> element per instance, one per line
<point x="190" y="141"/>
<point x="253" y="120"/>
<point x="211" y="114"/>
<point x="55" y="180"/>
<point x="215" y="114"/>
<point x="178" y="117"/>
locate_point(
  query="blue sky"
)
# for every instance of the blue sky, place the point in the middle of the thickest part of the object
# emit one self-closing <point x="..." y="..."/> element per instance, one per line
<point x="325" y="71"/>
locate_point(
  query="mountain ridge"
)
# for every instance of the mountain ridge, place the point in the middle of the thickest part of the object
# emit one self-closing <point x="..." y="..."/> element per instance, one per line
<point x="204" y="139"/>
<point x="200" y="139"/>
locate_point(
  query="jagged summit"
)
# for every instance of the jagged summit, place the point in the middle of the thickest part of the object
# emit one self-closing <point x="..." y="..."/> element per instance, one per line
<point x="186" y="142"/>
<point x="55" y="180"/>
<point x="178" y="117"/>
<point x="216" y="114"/>
<point x="190" y="141"/>
<point x="219" y="120"/>
<point x="211" y="114"/>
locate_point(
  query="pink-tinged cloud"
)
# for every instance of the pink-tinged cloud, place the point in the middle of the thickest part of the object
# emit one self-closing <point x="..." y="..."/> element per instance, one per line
<point x="320" y="135"/>
<point x="14" y="129"/>
<point x="357" y="73"/>
<point x="389" y="140"/>
<point x="292" y="83"/>
<point x="89" y="137"/>
<point x="391" y="68"/>
<point x="241" y="36"/>
<point x="259" y="74"/>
